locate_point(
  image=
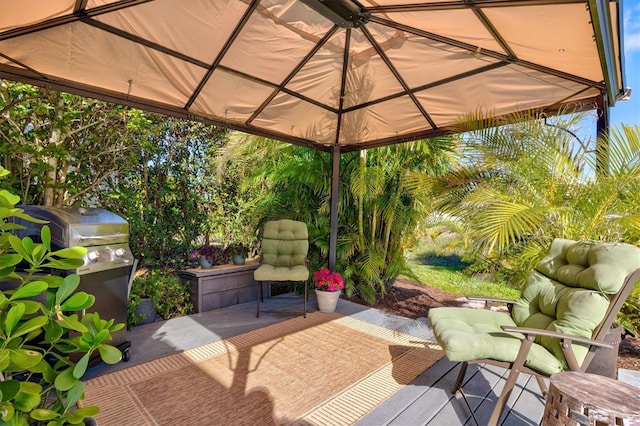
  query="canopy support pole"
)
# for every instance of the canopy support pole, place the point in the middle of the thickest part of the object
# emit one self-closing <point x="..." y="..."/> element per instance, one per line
<point x="335" y="195"/>
<point x="602" y="145"/>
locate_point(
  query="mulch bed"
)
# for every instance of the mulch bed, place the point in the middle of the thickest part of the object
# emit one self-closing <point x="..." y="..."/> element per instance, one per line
<point x="412" y="300"/>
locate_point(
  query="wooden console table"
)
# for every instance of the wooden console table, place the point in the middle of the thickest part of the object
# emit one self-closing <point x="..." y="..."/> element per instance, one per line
<point x="222" y="285"/>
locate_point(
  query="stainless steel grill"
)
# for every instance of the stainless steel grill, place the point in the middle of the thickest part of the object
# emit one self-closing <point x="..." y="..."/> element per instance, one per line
<point x="103" y="233"/>
<point x="108" y="262"/>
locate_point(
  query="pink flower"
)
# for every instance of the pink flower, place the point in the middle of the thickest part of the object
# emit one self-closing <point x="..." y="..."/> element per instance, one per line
<point x="326" y="280"/>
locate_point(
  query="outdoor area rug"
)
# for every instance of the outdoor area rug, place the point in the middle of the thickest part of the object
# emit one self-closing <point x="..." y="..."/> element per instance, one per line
<point x="325" y="369"/>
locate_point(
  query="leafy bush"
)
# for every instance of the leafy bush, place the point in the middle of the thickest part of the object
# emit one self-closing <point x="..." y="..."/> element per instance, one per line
<point x="170" y="297"/>
<point x="629" y="315"/>
<point x="39" y="377"/>
<point x="175" y="297"/>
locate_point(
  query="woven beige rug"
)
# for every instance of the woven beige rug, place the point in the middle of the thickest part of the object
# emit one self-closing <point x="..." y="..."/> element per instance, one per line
<point x="326" y="369"/>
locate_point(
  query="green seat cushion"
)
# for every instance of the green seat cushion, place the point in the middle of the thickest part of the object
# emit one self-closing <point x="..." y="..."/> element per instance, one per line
<point x="267" y="272"/>
<point x="467" y="334"/>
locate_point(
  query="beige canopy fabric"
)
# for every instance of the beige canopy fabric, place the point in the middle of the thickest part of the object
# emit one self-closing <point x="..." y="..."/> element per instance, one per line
<point x="318" y="73"/>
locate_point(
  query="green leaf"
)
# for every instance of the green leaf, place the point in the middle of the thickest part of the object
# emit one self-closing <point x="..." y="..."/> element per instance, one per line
<point x="73" y="417"/>
<point x="77" y="302"/>
<point x="45" y="236"/>
<point x="65" y="264"/>
<point x="16" y="244"/>
<point x="40" y="367"/>
<point x="52" y="332"/>
<point x="6" y="411"/>
<point x="42" y="414"/>
<point x="117" y="327"/>
<point x="88" y="411"/>
<point x="71" y="322"/>
<point x="10" y="198"/>
<point x="13" y="317"/>
<point x="38" y="254"/>
<point x="10" y="226"/>
<point x="68" y="287"/>
<point x="9" y="259"/>
<point x="29" y="396"/>
<point x="110" y="354"/>
<point x="102" y="335"/>
<point x="33" y="324"/>
<point x="31" y="289"/>
<point x="9" y="389"/>
<point x="6" y="272"/>
<point x="27" y="244"/>
<point x="28" y="218"/>
<point x="30" y="306"/>
<point x="65" y="380"/>
<point x="22" y="359"/>
<point x="81" y="366"/>
<point x="4" y="359"/>
<point x="70" y="252"/>
<point x="74" y="395"/>
<point x="53" y="281"/>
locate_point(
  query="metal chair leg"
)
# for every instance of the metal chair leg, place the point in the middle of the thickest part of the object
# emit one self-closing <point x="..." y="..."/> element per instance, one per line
<point x="259" y="298"/>
<point x="458" y="384"/>
<point x="457" y="387"/>
<point x="305" y="298"/>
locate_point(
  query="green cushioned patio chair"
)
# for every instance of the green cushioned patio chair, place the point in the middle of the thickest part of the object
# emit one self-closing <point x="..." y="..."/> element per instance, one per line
<point x="567" y="306"/>
<point x="285" y="244"/>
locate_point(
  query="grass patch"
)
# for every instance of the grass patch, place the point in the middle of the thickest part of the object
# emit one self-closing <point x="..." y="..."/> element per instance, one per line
<point x="446" y="271"/>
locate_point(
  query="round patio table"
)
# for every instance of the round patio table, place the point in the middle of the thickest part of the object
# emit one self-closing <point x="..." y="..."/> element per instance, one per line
<point x="576" y="398"/>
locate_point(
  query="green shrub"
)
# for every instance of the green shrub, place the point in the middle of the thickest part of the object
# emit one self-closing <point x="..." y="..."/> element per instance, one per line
<point x="170" y="297"/>
<point x="40" y="339"/>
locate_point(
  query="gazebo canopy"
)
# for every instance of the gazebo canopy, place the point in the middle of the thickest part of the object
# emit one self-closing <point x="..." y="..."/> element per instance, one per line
<point x="321" y="73"/>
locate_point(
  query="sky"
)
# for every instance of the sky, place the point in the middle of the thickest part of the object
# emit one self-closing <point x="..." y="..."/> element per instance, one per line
<point x="628" y="112"/>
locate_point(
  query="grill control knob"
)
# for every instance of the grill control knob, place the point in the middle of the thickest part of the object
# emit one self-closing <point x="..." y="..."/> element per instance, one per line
<point x="119" y="252"/>
<point x="92" y="256"/>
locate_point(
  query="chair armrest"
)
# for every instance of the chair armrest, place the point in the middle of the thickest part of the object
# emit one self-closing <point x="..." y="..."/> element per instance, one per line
<point x="486" y="300"/>
<point x="563" y="337"/>
<point x="565" y="342"/>
<point x="491" y="299"/>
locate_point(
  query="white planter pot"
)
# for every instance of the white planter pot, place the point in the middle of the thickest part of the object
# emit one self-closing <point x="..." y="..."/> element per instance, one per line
<point x="327" y="300"/>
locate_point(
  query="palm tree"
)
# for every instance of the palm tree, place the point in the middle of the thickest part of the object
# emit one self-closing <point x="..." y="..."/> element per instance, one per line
<point x="377" y="214"/>
<point x="524" y="181"/>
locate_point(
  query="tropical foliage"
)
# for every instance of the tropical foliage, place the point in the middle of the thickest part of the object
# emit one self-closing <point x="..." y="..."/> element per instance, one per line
<point x="526" y="181"/>
<point x="377" y="215"/>
<point x="58" y="147"/>
<point x="45" y="347"/>
<point x="518" y="182"/>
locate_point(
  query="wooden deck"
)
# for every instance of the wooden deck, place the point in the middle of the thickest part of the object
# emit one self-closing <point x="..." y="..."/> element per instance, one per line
<point x="426" y="401"/>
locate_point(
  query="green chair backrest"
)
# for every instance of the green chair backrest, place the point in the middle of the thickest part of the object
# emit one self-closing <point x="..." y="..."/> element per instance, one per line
<point x="570" y="289"/>
<point x="285" y="243"/>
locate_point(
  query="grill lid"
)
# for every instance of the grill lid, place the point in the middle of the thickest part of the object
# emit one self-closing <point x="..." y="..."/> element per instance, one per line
<point x="103" y="233"/>
<point x="76" y="226"/>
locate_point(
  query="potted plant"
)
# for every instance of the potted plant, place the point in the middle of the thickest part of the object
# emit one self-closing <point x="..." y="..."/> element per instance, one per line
<point x="156" y="295"/>
<point x="45" y="346"/>
<point x="142" y="301"/>
<point x="210" y="256"/>
<point x="239" y="253"/>
<point x="328" y="286"/>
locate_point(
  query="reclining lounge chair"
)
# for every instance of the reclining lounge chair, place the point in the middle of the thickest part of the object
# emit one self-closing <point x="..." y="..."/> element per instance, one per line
<point x="567" y="306"/>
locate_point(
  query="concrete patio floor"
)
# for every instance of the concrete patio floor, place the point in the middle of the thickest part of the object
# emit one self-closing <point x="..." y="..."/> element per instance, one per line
<point x="425" y="401"/>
